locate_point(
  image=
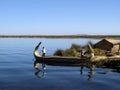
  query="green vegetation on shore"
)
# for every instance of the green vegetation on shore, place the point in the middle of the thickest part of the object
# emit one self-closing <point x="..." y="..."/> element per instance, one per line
<point x="60" y="36"/>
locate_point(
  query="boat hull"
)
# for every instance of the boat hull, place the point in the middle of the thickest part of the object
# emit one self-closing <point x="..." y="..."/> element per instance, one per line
<point x="64" y="60"/>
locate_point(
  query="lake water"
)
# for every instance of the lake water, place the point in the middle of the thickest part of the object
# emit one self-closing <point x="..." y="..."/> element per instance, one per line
<point x="17" y="70"/>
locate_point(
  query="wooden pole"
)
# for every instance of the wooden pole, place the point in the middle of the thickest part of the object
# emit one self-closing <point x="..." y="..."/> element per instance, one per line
<point x="91" y="52"/>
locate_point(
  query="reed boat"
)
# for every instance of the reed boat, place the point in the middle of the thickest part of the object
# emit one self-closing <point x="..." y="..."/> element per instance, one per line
<point x="57" y="59"/>
<point x="96" y="60"/>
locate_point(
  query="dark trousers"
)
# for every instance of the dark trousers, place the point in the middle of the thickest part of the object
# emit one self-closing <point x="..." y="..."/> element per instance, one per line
<point x="43" y="55"/>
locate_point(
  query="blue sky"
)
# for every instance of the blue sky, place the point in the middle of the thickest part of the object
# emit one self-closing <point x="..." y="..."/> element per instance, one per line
<point x="41" y="17"/>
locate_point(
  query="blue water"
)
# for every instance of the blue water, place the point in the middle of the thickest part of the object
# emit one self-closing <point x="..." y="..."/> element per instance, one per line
<point x="17" y="70"/>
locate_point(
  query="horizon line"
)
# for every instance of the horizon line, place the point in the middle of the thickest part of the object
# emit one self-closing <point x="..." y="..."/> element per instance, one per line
<point x="60" y="36"/>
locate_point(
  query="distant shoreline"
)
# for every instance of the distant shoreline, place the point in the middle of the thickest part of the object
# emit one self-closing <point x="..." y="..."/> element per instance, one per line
<point x="60" y="36"/>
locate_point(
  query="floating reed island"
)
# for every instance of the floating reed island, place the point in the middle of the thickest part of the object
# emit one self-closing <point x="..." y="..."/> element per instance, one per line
<point x="105" y="53"/>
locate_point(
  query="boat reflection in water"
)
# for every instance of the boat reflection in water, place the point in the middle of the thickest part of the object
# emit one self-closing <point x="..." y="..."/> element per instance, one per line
<point x="40" y="72"/>
<point x="90" y="73"/>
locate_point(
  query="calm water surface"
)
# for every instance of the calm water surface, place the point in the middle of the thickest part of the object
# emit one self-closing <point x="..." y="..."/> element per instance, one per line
<point x="17" y="71"/>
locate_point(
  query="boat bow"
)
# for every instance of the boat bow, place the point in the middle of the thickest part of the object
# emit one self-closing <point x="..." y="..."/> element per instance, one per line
<point x="36" y="52"/>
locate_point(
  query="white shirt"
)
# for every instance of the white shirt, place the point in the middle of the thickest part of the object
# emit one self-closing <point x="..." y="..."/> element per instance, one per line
<point x="44" y="51"/>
